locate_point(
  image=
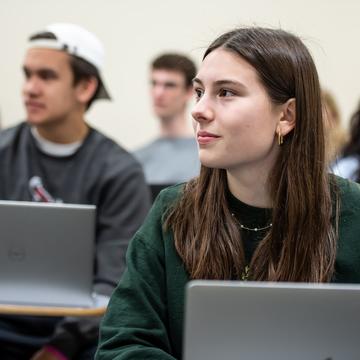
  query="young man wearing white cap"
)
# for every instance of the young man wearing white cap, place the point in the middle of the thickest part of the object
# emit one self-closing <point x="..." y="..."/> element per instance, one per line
<point x="56" y="156"/>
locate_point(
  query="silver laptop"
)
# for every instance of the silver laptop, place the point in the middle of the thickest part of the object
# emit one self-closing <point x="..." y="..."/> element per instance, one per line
<point x="46" y="254"/>
<point x="272" y="321"/>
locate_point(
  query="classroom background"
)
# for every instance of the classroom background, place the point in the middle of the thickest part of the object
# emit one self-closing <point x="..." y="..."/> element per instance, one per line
<point x="133" y="32"/>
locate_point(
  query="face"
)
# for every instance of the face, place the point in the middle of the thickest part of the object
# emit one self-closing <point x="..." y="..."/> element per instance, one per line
<point x="235" y="121"/>
<point x="169" y="93"/>
<point x="48" y="91"/>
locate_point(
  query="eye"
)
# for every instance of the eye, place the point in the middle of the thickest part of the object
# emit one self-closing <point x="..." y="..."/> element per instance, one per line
<point x="198" y="93"/>
<point x="170" y="85"/>
<point x="47" y="74"/>
<point x="226" y="93"/>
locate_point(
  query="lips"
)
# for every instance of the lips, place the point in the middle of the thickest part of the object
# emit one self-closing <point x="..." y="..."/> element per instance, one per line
<point x="204" y="137"/>
<point x="159" y="103"/>
<point x="34" y="105"/>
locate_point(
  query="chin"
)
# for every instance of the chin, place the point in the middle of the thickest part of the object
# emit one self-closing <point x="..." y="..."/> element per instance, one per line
<point x="36" y="121"/>
<point x="211" y="163"/>
<point x="33" y="121"/>
<point x="161" y="113"/>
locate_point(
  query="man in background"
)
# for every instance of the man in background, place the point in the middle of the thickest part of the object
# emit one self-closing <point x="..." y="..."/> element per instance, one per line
<point x="173" y="156"/>
<point x="56" y="156"/>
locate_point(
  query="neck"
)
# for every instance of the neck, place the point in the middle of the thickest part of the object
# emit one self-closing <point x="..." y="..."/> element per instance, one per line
<point x="176" y="126"/>
<point x="64" y="132"/>
<point x="250" y="186"/>
<point x="249" y="182"/>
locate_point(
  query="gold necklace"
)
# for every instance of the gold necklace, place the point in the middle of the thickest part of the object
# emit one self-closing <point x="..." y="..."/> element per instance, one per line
<point x="243" y="227"/>
<point x="245" y="274"/>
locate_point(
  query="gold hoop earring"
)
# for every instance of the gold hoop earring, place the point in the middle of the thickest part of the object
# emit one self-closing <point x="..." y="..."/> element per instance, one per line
<point x="280" y="138"/>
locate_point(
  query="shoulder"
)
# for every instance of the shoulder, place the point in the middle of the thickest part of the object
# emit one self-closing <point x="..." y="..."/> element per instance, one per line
<point x="168" y="149"/>
<point x="349" y="191"/>
<point x="166" y="199"/>
<point x="346" y="167"/>
<point x="147" y="149"/>
<point x="8" y="136"/>
<point x="348" y="254"/>
<point x="152" y="233"/>
<point x="186" y="141"/>
<point x="171" y="194"/>
<point x="349" y="201"/>
<point x="104" y="143"/>
<point x="115" y="157"/>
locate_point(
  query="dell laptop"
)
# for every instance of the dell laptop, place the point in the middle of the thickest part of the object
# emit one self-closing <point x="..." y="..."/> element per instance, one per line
<point x="46" y="254"/>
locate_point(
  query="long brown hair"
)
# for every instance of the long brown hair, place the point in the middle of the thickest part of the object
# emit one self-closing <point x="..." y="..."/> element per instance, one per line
<point x="301" y="245"/>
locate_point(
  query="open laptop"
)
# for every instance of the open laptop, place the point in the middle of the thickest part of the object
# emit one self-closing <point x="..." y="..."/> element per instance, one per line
<point x="46" y="254"/>
<point x="272" y="321"/>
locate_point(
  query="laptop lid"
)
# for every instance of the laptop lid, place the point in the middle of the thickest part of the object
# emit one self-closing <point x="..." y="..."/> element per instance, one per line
<point x="273" y="321"/>
<point x="46" y="253"/>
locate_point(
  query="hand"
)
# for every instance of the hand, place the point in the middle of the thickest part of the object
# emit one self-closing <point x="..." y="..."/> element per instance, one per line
<point x="44" y="354"/>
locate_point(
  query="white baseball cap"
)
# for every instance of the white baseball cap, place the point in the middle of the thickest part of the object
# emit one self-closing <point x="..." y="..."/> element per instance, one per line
<point x="78" y="42"/>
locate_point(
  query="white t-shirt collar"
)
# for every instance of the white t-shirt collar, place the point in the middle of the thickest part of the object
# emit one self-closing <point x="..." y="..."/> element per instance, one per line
<point x="52" y="148"/>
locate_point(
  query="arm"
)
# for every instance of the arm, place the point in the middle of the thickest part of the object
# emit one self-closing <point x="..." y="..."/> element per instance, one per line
<point x="136" y="323"/>
<point x="122" y="203"/>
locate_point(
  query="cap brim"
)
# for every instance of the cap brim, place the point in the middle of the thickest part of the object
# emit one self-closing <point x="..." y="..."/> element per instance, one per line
<point x="102" y="93"/>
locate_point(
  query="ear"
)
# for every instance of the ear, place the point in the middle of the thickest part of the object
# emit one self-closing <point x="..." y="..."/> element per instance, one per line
<point x="287" y="120"/>
<point x="85" y="89"/>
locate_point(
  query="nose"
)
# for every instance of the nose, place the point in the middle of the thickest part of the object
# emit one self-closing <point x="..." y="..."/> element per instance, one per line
<point x="158" y="90"/>
<point x="31" y="86"/>
<point x="203" y="110"/>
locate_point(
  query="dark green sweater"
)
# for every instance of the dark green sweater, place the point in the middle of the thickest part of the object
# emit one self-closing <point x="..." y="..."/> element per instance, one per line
<point x="144" y="319"/>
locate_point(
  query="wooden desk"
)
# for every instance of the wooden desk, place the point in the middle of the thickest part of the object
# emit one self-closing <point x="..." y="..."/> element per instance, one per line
<point x="98" y="309"/>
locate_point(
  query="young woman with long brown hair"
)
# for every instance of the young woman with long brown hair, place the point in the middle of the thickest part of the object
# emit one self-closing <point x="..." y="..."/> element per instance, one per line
<point x="263" y="208"/>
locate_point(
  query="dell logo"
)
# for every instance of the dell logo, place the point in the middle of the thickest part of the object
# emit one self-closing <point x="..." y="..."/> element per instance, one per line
<point x="17" y="254"/>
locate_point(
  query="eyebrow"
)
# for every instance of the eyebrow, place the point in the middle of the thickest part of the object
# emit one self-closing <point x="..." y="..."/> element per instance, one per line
<point x="39" y="70"/>
<point x="222" y="82"/>
<point x="165" y="83"/>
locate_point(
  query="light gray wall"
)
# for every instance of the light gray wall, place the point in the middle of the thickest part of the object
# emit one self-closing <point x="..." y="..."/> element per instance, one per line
<point x="133" y="32"/>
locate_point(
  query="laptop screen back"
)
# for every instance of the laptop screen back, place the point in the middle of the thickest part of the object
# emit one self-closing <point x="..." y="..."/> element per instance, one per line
<point x="46" y="253"/>
<point x="275" y="321"/>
